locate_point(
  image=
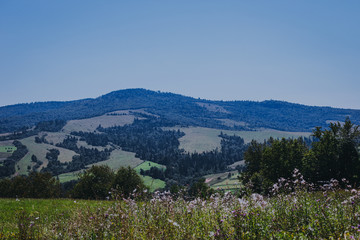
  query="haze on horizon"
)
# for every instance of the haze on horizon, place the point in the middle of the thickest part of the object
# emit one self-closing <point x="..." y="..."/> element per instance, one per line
<point x="305" y="52"/>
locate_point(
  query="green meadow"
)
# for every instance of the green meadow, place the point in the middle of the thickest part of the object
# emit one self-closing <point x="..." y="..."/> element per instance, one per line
<point x="329" y="214"/>
<point x="200" y="139"/>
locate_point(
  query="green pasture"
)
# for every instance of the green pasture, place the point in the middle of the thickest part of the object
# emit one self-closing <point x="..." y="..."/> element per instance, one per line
<point x="124" y="161"/>
<point x="7" y="149"/>
<point x="66" y="177"/>
<point x="149" y="181"/>
<point x="200" y="139"/>
<point x="146" y="165"/>
<point x="120" y="158"/>
<point x="153" y="183"/>
<point x="46" y="210"/>
<point x="40" y="150"/>
<point x="90" y="124"/>
<point x="223" y="181"/>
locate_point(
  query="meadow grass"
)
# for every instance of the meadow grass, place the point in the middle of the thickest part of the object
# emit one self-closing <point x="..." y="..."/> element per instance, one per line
<point x="146" y="165"/>
<point x="150" y="182"/>
<point x="224" y="182"/>
<point x="119" y="158"/>
<point x="328" y="214"/>
<point x="66" y="177"/>
<point x="7" y="149"/>
<point x="200" y="139"/>
<point x="90" y="124"/>
<point x="40" y="150"/>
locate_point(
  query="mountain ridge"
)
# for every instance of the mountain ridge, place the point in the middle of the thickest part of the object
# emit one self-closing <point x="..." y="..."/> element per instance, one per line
<point x="276" y="114"/>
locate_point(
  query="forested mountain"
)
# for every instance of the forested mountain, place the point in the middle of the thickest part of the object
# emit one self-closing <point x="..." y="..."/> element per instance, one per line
<point x="239" y="115"/>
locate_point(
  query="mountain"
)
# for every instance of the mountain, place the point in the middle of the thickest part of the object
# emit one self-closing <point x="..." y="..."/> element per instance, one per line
<point x="167" y="138"/>
<point x="188" y="111"/>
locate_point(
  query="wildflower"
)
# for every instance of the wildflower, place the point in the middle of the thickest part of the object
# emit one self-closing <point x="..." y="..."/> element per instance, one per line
<point x="174" y="223"/>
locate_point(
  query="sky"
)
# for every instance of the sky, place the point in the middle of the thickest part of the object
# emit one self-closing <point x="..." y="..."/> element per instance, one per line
<point x="305" y="51"/>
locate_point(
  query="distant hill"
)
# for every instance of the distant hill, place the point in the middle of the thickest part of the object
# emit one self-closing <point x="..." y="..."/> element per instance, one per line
<point x="185" y="111"/>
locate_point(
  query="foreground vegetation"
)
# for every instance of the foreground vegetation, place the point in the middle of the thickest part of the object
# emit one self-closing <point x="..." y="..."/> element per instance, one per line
<point x="293" y="211"/>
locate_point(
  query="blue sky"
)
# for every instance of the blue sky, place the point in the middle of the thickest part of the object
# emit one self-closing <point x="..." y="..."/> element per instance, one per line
<point x="298" y="51"/>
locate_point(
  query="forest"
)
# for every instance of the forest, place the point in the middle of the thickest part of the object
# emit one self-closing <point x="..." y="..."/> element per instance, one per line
<point x="184" y="110"/>
<point x="332" y="153"/>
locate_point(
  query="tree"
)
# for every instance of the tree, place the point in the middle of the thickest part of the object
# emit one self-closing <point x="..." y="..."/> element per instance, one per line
<point x="94" y="183"/>
<point x="36" y="185"/>
<point x="335" y="153"/>
<point x="201" y="189"/>
<point x="127" y="181"/>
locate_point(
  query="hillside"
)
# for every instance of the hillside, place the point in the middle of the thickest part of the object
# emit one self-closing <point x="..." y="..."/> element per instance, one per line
<point x="231" y="115"/>
<point x="190" y="137"/>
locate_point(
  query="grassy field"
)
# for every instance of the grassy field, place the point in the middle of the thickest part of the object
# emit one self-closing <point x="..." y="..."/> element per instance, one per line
<point x="146" y="165"/>
<point x="149" y="181"/>
<point x="40" y="150"/>
<point x="47" y="210"/>
<point x="329" y="214"/>
<point x="66" y="177"/>
<point x="153" y="183"/>
<point x="90" y="124"/>
<point x="201" y="139"/>
<point x="119" y="158"/>
<point x="227" y="181"/>
<point x="6" y="150"/>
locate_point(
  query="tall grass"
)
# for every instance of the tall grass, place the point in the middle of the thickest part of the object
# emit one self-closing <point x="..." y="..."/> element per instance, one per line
<point x="293" y="211"/>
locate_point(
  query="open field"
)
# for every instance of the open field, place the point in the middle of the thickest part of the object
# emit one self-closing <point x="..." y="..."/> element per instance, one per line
<point x="118" y="118"/>
<point x="146" y="165"/>
<point x="227" y="181"/>
<point x="40" y="150"/>
<point x="6" y="150"/>
<point x="332" y="214"/>
<point x="54" y="137"/>
<point x="201" y="139"/>
<point x="153" y="183"/>
<point x="66" y="177"/>
<point x="120" y="158"/>
<point x="149" y="181"/>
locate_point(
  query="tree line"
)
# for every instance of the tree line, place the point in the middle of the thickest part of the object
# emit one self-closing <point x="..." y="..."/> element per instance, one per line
<point x="334" y="153"/>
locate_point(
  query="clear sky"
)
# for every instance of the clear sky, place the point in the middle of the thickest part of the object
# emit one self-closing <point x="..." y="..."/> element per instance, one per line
<point x="304" y="51"/>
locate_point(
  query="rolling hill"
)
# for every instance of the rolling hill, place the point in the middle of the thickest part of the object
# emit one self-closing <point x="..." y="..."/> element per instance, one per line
<point x="235" y="115"/>
<point x="190" y="137"/>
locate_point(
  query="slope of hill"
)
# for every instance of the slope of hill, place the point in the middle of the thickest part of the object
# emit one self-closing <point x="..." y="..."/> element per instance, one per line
<point x="190" y="137"/>
<point x="231" y="115"/>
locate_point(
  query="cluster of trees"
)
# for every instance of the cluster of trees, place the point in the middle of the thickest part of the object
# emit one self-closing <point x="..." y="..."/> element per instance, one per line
<point x="100" y="182"/>
<point x="86" y="156"/>
<point x="147" y="139"/>
<point x="50" y="126"/>
<point x="36" y="185"/>
<point x="333" y="154"/>
<point x="154" y="172"/>
<point x="150" y="142"/>
<point x="37" y="162"/>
